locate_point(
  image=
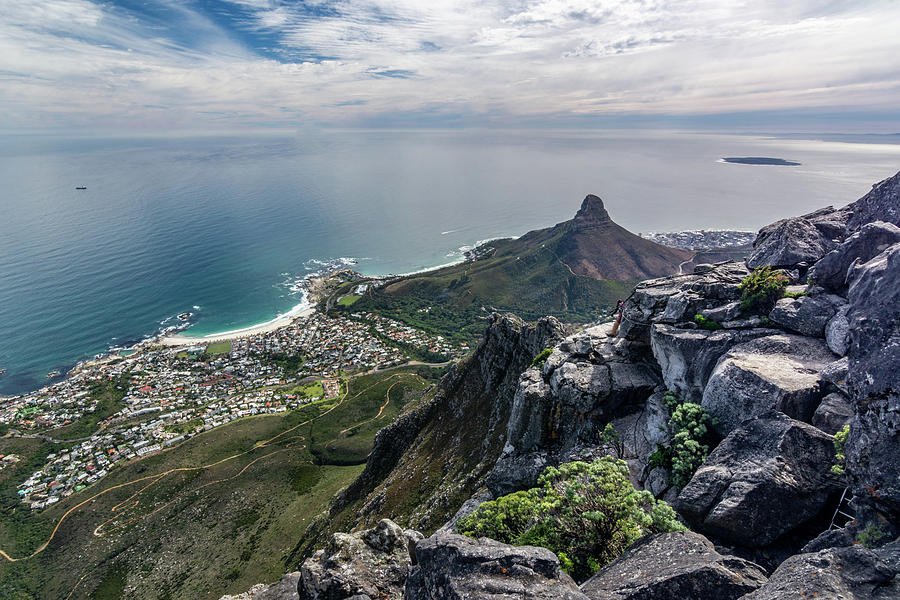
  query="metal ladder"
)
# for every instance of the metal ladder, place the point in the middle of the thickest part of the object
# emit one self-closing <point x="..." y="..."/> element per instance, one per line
<point x="845" y="501"/>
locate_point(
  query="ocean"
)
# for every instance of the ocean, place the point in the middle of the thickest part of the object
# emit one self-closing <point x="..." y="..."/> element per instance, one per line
<point x="225" y="227"/>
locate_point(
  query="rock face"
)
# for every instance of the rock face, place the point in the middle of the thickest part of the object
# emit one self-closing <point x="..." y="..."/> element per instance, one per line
<point x="803" y="239"/>
<point x="372" y="564"/>
<point x="873" y="448"/>
<point x="837" y="332"/>
<point x="864" y="245"/>
<point x="850" y="573"/>
<point x="284" y="589"/>
<point x="766" y="478"/>
<point x="674" y="566"/>
<point x="453" y="567"/>
<point x="586" y="382"/>
<point x="833" y="413"/>
<point x="807" y="315"/>
<point x="882" y="203"/>
<point x="775" y="372"/>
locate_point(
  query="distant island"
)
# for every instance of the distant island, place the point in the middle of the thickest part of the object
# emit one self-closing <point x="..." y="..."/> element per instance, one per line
<point x="760" y="160"/>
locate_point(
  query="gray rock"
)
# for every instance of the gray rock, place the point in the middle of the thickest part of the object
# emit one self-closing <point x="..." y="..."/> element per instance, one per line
<point x="373" y="563"/>
<point x="726" y="312"/>
<point x="837" y="332"/>
<point x="639" y="434"/>
<point x="807" y="315"/>
<point x="766" y="478"/>
<point x="873" y="447"/>
<point x="674" y="566"/>
<point x="882" y="203"/>
<point x="453" y="567"/>
<point x="688" y="357"/>
<point x="789" y="242"/>
<point x="864" y="245"/>
<point x="283" y="589"/>
<point x="835" y="374"/>
<point x="833" y="413"/>
<point x="850" y="573"/>
<point x="778" y="372"/>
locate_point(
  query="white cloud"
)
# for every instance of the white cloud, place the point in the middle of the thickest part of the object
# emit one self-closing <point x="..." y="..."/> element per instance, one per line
<point x="77" y="62"/>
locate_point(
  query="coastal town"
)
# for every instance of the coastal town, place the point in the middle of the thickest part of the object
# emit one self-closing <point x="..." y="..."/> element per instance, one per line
<point x="159" y="396"/>
<point x="702" y="239"/>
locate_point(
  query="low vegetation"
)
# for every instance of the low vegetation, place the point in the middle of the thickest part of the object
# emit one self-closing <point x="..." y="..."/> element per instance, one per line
<point x="840" y="440"/>
<point x="587" y="513"/>
<point x="542" y="357"/>
<point x="707" y="324"/>
<point x="691" y="440"/>
<point x="761" y="289"/>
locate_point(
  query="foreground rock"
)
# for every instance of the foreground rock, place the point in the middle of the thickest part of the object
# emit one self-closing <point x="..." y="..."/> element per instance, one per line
<point x="778" y="372"/>
<point x="373" y="564"/>
<point x="850" y="573"/>
<point x="807" y="315"/>
<point x="454" y="567"/>
<point x="873" y="448"/>
<point x="674" y="566"/>
<point x="805" y="239"/>
<point x="284" y="589"/>
<point x="768" y="477"/>
<point x="864" y="245"/>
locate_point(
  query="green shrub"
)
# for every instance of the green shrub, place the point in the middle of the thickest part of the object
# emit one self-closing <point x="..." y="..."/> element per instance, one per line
<point x="761" y="289"/>
<point x="840" y="439"/>
<point x="707" y="324"/>
<point x="691" y="436"/>
<point x="871" y="536"/>
<point x="612" y="441"/>
<point x="587" y="513"/>
<point x="541" y="358"/>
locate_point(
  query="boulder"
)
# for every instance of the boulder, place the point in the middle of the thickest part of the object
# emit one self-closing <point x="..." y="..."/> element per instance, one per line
<point x="454" y="567"/>
<point x="283" y="589"/>
<point x="835" y="374"/>
<point x="687" y="357"/>
<point x="774" y="372"/>
<point x="845" y="573"/>
<point x="873" y="447"/>
<point x="768" y="477"/>
<point x="373" y="563"/>
<point x="833" y="413"/>
<point x="640" y="433"/>
<point x="864" y="245"/>
<point x="674" y="566"/>
<point x="882" y="203"/>
<point x="807" y="315"/>
<point x="788" y="242"/>
<point x="726" y="312"/>
<point x="837" y="332"/>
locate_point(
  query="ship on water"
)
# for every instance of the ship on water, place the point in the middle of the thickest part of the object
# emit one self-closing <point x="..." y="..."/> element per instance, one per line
<point x="80" y="187"/>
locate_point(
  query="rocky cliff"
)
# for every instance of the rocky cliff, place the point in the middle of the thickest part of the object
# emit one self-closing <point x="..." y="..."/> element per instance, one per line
<point x="775" y="511"/>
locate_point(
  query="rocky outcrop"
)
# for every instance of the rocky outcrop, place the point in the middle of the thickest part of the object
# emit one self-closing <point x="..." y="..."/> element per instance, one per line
<point x="560" y="409"/>
<point x="674" y="566"/>
<point x="848" y="573"/>
<point x="284" y="589"/>
<point x="807" y="315"/>
<point x="864" y="245"/>
<point x="833" y="413"/>
<point x="766" y="478"/>
<point x="800" y="240"/>
<point x="882" y="203"/>
<point x="372" y="564"/>
<point x="453" y="567"/>
<point x="837" y="332"/>
<point x="873" y="448"/>
<point x="778" y="372"/>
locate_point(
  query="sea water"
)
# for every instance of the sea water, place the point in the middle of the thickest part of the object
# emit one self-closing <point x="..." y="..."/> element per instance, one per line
<point x="224" y="227"/>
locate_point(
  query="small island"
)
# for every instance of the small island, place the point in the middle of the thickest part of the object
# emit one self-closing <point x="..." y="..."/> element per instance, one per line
<point x="760" y="160"/>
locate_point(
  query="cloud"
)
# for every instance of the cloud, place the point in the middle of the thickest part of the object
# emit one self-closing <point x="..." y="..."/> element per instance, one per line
<point x="81" y="63"/>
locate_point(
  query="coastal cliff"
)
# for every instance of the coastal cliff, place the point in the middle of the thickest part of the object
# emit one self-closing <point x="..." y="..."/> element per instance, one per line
<point x="776" y="508"/>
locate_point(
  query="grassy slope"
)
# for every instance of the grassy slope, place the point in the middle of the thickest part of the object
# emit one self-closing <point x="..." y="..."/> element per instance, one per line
<point x="186" y="541"/>
<point x="525" y="278"/>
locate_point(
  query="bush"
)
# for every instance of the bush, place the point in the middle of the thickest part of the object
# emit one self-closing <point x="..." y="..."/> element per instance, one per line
<point x="871" y="536"/>
<point x="587" y="513"/>
<point x="691" y="436"/>
<point x="761" y="289"/>
<point x="541" y="358"/>
<point x="707" y="324"/>
<point x="840" y="439"/>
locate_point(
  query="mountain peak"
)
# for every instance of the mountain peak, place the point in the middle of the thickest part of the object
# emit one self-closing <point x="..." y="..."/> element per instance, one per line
<point x="592" y="211"/>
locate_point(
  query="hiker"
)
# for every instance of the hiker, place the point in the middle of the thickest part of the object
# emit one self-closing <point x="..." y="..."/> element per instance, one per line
<point x="620" y="308"/>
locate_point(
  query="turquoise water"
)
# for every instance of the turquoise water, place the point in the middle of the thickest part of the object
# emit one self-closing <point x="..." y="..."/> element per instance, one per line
<point x="224" y="227"/>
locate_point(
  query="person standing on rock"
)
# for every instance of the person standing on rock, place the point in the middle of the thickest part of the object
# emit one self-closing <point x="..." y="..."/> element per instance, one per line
<point x="620" y="308"/>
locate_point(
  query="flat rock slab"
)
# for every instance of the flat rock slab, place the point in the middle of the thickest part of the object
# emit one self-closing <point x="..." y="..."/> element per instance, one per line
<point x="674" y="566"/>
<point x="778" y="372"/>
<point x="766" y="478"/>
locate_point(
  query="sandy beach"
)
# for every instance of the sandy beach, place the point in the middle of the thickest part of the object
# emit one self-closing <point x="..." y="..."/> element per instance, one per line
<point x="277" y="323"/>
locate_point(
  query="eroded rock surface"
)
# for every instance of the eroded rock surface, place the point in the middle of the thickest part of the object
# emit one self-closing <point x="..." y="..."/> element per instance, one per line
<point x="674" y="566"/>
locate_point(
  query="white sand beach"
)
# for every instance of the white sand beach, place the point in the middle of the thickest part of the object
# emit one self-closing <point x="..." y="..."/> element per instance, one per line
<point x="274" y="324"/>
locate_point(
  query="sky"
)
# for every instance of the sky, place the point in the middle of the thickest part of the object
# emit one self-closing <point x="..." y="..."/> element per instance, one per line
<point x="159" y="65"/>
